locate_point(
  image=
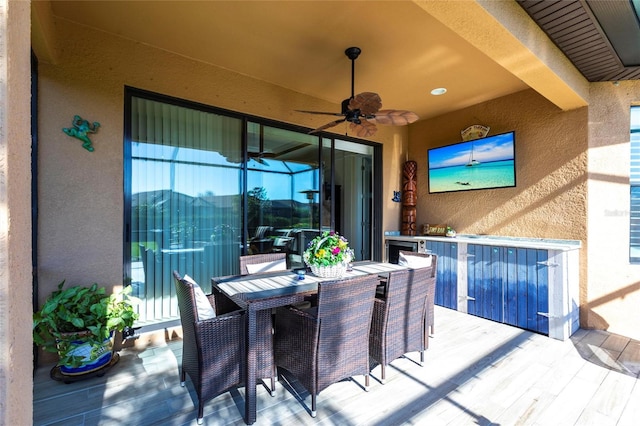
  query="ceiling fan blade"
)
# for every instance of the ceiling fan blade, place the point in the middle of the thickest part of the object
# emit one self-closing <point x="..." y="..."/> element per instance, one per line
<point x="262" y="154"/>
<point x="394" y="117"/>
<point x="320" y="112"/>
<point x="367" y="102"/>
<point x="364" y="129"/>
<point x="326" y="126"/>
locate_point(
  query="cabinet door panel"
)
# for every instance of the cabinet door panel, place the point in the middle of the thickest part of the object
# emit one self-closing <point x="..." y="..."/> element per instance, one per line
<point x="447" y="275"/>
<point x="522" y="288"/>
<point x="508" y="285"/>
<point x="494" y="266"/>
<point x="485" y="282"/>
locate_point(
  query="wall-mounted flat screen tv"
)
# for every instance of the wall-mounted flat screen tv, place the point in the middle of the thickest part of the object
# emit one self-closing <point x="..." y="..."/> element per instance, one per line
<point x="479" y="164"/>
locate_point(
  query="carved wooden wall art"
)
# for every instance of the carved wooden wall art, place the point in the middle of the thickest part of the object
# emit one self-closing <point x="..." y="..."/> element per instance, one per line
<point x="409" y="197"/>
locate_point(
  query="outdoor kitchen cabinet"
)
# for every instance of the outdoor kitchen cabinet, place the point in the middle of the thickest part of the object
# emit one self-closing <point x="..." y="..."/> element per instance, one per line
<point x="530" y="283"/>
<point x="509" y="285"/>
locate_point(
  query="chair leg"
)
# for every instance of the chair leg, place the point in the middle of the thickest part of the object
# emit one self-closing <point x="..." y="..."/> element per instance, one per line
<point x="183" y="377"/>
<point x="382" y="373"/>
<point x="273" y="386"/>
<point x="422" y="358"/>
<point x="366" y="383"/>
<point x="313" y="405"/>
<point x="200" y="419"/>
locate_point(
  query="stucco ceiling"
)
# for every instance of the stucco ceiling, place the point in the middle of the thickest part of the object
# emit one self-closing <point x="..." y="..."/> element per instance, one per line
<point x="408" y="49"/>
<point x="300" y="45"/>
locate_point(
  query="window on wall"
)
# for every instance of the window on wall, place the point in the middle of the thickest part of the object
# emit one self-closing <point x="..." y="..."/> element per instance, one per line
<point x="204" y="186"/>
<point x="634" y="211"/>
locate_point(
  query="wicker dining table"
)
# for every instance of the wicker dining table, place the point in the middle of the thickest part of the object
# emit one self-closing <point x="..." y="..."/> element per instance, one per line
<point x="270" y="290"/>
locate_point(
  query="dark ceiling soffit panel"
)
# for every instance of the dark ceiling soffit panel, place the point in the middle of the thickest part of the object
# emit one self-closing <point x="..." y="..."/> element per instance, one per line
<point x="619" y="22"/>
<point x="575" y="29"/>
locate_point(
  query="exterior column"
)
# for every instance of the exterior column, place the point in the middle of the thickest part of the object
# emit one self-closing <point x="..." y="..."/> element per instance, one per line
<point x="16" y="275"/>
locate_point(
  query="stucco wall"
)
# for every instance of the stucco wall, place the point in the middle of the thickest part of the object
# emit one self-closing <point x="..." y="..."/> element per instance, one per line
<point x="613" y="295"/>
<point x="15" y="215"/>
<point x="549" y="200"/>
<point x="550" y="197"/>
<point x="81" y="197"/>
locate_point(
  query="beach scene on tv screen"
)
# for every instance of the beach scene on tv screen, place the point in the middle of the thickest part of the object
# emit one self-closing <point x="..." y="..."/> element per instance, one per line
<point x="478" y="164"/>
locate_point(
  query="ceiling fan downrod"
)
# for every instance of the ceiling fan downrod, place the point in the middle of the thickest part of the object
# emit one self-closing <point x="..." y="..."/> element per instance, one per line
<point x="353" y="53"/>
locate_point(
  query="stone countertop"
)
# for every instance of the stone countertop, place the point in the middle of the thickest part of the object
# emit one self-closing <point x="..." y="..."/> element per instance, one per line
<point x="497" y="240"/>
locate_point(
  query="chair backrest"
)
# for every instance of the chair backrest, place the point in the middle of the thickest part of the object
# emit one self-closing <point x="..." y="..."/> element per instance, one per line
<point x="300" y="238"/>
<point x="344" y="318"/>
<point x="187" y="307"/>
<point x="212" y="350"/>
<point x="406" y="305"/>
<point x="430" y="277"/>
<point x="263" y="231"/>
<point x="267" y="260"/>
<point x="419" y="260"/>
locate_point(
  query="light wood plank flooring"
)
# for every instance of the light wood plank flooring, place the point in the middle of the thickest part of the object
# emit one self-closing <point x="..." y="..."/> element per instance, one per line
<point x="477" y="372"/>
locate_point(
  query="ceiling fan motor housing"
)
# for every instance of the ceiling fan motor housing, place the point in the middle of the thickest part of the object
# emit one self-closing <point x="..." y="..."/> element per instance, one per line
<point x="352" y="53"/>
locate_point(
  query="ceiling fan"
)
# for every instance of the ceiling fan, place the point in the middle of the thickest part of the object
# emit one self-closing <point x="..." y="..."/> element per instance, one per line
<point x="362" y="111"/>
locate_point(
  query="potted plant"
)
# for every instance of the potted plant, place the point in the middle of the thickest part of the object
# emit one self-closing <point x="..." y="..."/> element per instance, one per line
<point x="78" y="322"/>
<point x="328" y="255"/>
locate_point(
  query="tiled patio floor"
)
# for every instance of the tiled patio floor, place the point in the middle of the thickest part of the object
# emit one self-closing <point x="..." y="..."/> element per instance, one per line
<point x="477" y="372"/>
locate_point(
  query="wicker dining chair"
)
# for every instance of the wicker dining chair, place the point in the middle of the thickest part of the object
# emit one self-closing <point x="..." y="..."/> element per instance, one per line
<point x="212" y="350"/>
<point x="431" y="296"/>
<point x="398" y="322"/>
<point x="265" y="262"/>
<point x="329" y="342"/>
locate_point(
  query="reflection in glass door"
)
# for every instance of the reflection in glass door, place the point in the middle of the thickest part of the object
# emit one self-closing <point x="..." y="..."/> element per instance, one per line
<point x="283" y="191"/>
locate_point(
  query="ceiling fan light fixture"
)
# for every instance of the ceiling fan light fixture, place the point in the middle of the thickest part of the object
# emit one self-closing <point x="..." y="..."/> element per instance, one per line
<point x="439" y="91"/>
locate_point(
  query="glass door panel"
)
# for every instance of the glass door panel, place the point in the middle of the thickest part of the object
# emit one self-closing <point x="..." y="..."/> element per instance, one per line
<point x="282" y="191"/>
<point x="186" y="205"/>
<point x="352" y="195"/>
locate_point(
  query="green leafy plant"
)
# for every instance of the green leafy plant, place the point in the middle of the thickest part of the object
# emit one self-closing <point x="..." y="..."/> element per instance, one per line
<point x="327" y="249"/>
<point x="84" y="314"/>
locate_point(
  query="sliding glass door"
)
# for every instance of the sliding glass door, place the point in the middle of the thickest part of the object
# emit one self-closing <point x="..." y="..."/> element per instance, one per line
<point x="203" y="187"/>
<point x="186" y="200"/>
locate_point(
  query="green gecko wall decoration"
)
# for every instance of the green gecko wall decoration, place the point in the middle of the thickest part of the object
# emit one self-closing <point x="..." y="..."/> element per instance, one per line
<point x="80" y="130"/>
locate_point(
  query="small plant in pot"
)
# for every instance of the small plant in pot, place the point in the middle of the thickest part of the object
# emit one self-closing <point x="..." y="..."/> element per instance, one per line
<point x="78" y="322"/>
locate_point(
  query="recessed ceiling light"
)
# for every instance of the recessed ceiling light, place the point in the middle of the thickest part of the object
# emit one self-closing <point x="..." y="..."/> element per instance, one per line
<point x="438" y="91"/>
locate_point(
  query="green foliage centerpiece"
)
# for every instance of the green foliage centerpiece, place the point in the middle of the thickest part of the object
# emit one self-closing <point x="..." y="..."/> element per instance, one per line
<point x="328" y="255"/>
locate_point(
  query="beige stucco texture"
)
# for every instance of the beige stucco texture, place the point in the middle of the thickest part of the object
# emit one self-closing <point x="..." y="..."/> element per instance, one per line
<point x="15" y="216"/>
<point x="612" y="296"/>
